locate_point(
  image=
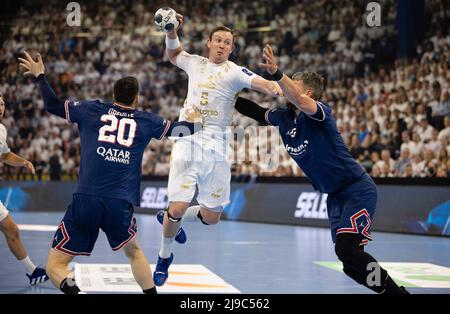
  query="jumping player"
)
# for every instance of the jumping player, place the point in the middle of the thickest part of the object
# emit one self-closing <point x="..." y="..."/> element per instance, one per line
<point x="7" y="225"/>
<point x="200" y="161"/>
<point x="312" y="139"/>
<point x="113" y="138"/>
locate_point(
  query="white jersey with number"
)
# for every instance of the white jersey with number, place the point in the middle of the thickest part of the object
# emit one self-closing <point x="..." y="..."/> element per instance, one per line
<point x="3" y="140"/>
<point x="200" y="159"/>
<point x="212" y="89"/>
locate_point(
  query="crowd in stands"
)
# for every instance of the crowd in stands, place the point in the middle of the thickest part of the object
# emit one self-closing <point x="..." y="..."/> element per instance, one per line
<point x="394" y="114"/>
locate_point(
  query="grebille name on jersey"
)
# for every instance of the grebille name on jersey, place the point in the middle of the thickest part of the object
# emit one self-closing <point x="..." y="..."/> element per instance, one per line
<point x="120" y="114"/>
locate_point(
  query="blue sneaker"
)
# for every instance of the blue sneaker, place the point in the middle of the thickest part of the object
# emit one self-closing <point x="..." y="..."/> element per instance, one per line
<point x="180" y="236"/>
<point x="161" y="272"/>
<point x="38" y="276"/>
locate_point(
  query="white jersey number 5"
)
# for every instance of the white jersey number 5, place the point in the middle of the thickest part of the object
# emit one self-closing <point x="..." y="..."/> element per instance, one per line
<point x="107" y="132"/>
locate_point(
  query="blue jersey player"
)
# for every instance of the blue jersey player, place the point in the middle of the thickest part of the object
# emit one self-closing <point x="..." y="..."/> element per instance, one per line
<point x="113" y="139"/>
<point x="311" y="138"/>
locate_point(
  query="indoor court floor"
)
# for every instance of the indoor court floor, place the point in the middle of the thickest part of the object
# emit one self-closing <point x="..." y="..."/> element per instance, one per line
<point x="234" y="257"/>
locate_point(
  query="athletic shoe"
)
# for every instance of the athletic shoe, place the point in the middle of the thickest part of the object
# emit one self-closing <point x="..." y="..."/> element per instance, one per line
<point x="180" y="236"/>
<point x="38" y="276"/>
<point x="161" y="272"/>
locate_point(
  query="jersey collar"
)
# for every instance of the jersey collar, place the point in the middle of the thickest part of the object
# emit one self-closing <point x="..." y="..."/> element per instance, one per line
<point x="122" y="106"/>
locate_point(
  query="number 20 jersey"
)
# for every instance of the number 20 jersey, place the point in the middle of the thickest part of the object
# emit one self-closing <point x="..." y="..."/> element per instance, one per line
<point x="113" y="139"/>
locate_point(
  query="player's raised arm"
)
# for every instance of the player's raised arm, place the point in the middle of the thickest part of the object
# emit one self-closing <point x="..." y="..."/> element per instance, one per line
<point x="173" y="46"/>
<point x="291" y="89"/>
<point x="266" y="87"/>
<point x="36" y="68"/>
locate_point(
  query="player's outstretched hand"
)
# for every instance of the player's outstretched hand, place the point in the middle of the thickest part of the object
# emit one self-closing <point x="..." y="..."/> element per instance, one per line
<point x="173" y="33"/>
<point x="194" y="116"/>
<point x="35" y="68"/>
<point x="29" y="166"/>
<point x="270" y="61"/>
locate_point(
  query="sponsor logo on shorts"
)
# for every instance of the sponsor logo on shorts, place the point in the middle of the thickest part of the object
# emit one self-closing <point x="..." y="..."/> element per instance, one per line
<point x="217" y="194"/>
<point x="187" y="184"/>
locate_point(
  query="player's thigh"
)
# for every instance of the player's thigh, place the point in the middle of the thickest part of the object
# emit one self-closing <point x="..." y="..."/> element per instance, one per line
<point x="334" y="211"/>
<point x="119" y="222"/>
<point x="78" y="230"/>
<point x="359" y="209"/>
<point x="214" y="186"/>
<point x="183" y="175"/>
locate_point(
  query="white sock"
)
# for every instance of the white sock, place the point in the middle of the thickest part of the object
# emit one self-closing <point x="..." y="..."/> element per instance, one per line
<point x="191" y="214"/>
<point x="166" y="247"/>
<point x="28" y="265"/>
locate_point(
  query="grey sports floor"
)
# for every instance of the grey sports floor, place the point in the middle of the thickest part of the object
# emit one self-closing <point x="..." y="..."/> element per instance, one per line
<point x="254" y="258"/>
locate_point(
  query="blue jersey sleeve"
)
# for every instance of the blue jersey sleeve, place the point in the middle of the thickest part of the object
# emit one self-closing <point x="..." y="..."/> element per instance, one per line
<point x="74" y="110"/>
<point x="321" y="113"/>
<point x="161" y="127"/>
<point x="276" y="117"/>
<point x="158" y="126"/>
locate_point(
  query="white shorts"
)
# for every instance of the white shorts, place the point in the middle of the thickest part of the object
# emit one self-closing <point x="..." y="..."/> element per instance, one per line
<point x="3" y="211"/>
<point x="192" y="165"/>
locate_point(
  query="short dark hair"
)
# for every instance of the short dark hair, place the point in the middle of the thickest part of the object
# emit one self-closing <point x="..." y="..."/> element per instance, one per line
<point x="126" y="90"/>
<point x="313" y="80"/>
<point x="223" y="29"/>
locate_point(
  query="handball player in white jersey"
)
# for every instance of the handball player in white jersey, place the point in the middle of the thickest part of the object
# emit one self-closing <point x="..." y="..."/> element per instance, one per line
<point x="8" y="227"/>
<point x="200" y="160"/>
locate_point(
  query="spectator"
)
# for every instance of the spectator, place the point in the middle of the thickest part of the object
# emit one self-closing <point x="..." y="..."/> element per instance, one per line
<point x="402" y="162"/>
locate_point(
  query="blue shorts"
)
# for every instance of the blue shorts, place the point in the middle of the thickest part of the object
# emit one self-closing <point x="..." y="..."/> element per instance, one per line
<point x="352" y="209"/>
<point x="86" y="215"/>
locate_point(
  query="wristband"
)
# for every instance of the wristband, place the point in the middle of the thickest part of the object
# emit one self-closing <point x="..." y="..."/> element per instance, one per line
<point x="172" y="43"/>
<point x="277" y="76"/>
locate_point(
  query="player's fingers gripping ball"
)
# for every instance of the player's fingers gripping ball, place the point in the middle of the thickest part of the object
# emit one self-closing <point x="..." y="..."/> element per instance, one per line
<point x="166" y="20"/>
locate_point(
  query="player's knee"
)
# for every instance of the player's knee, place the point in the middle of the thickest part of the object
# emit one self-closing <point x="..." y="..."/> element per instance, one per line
<point x="175" y="214"/>
<point x="211" y="221"/>
<point x="51" y="268"/>
<point x="131" y="249"/>
<point x="209" y="218"/>
<point x="344" y="249"/>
